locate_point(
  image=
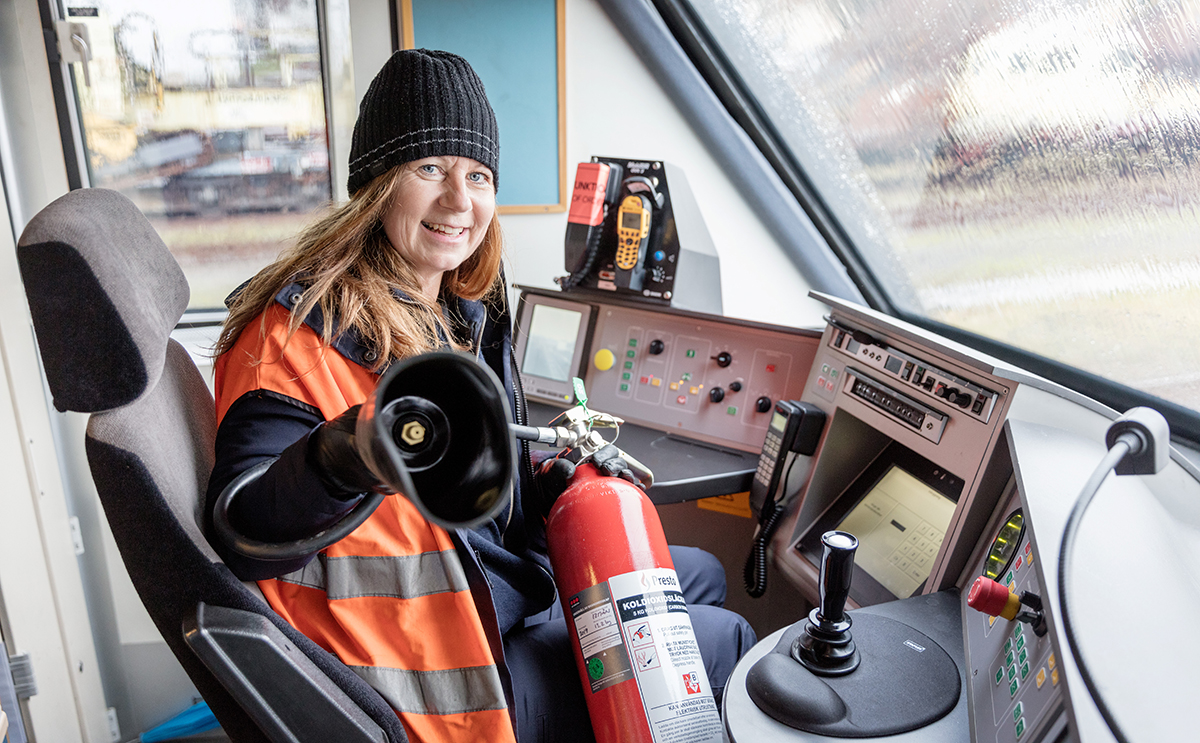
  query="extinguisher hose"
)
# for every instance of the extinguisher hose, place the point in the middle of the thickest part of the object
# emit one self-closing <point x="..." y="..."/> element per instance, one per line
<point x="754" y="574"/>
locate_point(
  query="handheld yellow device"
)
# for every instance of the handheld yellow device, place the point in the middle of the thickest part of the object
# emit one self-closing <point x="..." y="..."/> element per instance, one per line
<point x="633" y="231"/>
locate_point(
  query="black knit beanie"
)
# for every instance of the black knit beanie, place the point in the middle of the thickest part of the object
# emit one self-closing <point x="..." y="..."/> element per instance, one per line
<point x="422" y="103"/>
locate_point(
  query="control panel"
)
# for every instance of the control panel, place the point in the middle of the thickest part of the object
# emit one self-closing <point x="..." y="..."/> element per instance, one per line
<point x="1016" y="688"/>
<point x="712" y="379"/>
<point x="914" y="375"/>
<point x="925" y="421"/>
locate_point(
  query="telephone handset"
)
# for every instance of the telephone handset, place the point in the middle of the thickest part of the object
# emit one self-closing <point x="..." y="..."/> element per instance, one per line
<point x="597" y="186"/>
<point x="794" y="427"/>
<point x="781" y="434"/>
<point x="633" y="235"/>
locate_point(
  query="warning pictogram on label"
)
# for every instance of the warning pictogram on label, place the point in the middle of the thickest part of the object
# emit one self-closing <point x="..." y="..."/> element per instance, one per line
<point x="646" y="658"/>
<point x="641" y="635"/>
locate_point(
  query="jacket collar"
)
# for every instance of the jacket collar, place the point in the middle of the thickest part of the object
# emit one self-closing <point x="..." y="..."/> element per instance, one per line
<point x="351" y="345"/>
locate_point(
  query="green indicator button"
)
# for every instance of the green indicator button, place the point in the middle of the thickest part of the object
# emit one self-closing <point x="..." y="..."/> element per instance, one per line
<point x="626" y="376"/>
<point x="1012" y="672"/>
<point x="731" y="410"/>
<point x="1023" y="655"/>
<point x="624" y="387"/>
<point x="1018" y="711"/>
<point x="1020" y="642"/>
<point x="630" y="353"/>
<point x="1008" y="658"/>
<point x="1010" y="577"/>
<point x="633" y="342"/>
<point x="687" y="376"/>
<point x="1020" y="728"/>
<point x="825" y="369"/>
<point x="1008" y="645"/>
<point x="691" y="353"/>
<point x="628" y="364"/>
<point x="1012" y="688"/>
<point x="1024" y="671"/>
<point x="1018" y="630"/>
<point x="999" y="675"/>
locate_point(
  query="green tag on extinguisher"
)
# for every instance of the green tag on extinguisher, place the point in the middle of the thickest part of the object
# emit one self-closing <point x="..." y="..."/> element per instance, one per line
<point x="580" y="392"/>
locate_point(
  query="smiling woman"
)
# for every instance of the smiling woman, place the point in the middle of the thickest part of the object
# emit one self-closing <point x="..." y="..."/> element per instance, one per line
<point x="441" y="212"/>
<point x="410" y="264"/>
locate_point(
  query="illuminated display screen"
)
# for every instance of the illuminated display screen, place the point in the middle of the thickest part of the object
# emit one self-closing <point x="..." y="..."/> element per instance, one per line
<point x="900" y="524"/>
<point x="779" y="422"/>
<point x="553" y="332"/>
<point x="631" y="220"/>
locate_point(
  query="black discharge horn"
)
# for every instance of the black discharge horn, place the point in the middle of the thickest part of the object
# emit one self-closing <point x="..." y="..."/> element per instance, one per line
<point x="436" y="431"/>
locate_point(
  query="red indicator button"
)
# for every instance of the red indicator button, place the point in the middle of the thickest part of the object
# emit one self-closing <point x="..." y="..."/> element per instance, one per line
<point x="820" y="381"/>
<point x="645" y="380"/>
<point x="1019" y="563"/>
<point x="682" y="399"/>
<point x="770" y="368"/>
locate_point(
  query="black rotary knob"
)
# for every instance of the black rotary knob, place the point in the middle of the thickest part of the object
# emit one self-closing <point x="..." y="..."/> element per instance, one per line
<point x="723" y="359"/>
<point x="762" y="404"/>
<point x="716" y="394"/>
<point x="656" y="347"/>
<point x="735" y="386"/>
<point x="959" y="398"/>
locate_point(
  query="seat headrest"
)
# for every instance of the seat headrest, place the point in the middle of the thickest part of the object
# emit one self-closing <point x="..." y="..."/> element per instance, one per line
<point x="104" y="293"/>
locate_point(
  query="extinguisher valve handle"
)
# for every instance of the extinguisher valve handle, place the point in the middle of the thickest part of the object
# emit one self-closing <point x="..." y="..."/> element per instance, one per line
<point x="640" y="471"/>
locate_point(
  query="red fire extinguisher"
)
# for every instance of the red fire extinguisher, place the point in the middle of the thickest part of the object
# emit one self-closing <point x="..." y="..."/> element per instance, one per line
<point x="634" y="646"/>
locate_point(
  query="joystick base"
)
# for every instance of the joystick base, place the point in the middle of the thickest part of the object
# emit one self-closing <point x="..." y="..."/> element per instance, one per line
<point x="825" y="648"/>
<point x="869" y="702"/>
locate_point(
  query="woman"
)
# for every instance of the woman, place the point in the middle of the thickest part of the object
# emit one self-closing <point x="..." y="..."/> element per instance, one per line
<point x="454" y="629"/>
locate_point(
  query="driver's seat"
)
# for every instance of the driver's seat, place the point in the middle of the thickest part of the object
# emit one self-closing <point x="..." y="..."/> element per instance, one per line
<point x="105" y="294"/>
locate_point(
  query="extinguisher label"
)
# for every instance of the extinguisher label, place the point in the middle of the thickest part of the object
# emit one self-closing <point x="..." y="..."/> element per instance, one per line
<point x="657" y="631"/>
<point x="599" y="633"/>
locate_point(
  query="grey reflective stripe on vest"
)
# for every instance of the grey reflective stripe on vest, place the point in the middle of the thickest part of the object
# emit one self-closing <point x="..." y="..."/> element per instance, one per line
<point x="405" y="577"/>
<point x="451" y="692"/>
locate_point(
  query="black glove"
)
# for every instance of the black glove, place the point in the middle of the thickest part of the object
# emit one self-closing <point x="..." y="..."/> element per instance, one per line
<point x="335" y="460"/>
<point x="555" y="475"/>
<point x="608" y="461"/>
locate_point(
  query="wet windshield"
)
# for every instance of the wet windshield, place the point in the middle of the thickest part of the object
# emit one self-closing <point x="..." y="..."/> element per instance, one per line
<point x="1026" y="170"/>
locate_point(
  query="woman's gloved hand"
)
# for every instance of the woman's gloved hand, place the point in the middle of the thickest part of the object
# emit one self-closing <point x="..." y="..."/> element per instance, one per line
<point x="334" y="458"/>
<point x="554" y="475"/>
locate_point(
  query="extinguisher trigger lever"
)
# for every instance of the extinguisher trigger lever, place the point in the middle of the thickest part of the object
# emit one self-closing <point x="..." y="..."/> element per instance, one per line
<point x="640" y="471"/>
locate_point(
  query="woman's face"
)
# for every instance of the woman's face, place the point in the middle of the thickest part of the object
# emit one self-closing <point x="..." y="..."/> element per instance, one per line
<point x="443" y="206"/>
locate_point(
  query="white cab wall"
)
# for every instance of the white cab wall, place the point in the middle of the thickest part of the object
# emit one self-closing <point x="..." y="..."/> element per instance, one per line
<point x="758" y="281"/>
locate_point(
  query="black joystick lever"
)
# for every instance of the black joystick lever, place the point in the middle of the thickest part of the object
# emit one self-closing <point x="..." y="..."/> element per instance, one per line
<point x="826" y="647"/>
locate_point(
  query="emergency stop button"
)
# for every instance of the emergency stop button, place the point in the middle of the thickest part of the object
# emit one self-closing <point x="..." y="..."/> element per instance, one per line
<point x="994" y="599"/>
<point x="604" y="359"/>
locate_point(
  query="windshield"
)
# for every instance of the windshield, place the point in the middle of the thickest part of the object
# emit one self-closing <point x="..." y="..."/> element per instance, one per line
<point x="1024" y="169"/>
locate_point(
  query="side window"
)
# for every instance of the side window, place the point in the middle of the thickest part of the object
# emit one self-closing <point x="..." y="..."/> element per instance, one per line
<point x="211" y="117"/>
<point x="1019" y="169"/>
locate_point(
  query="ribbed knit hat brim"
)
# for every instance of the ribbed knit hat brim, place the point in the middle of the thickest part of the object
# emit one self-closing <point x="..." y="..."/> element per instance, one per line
<point x="423" y="103"/>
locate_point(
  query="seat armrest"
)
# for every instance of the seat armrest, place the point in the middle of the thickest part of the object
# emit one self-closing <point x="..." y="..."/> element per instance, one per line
<point x="279" y="687"/>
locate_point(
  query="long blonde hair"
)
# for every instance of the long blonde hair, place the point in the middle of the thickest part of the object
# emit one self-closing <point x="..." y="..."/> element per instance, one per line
<point x="350" y="269"/>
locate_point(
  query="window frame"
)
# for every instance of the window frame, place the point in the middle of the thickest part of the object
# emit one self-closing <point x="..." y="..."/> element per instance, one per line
<point x="339" y="124"/>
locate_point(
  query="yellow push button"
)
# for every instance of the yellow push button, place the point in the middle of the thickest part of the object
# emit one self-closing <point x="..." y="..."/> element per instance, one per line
<point x="604" y="359"/>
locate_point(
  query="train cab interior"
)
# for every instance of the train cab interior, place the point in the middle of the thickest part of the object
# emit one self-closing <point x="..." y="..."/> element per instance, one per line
<point x="891" y="298"/>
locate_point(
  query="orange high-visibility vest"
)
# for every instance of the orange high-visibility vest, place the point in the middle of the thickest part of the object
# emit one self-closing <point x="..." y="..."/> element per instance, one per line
<point x="391" y="600"/>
